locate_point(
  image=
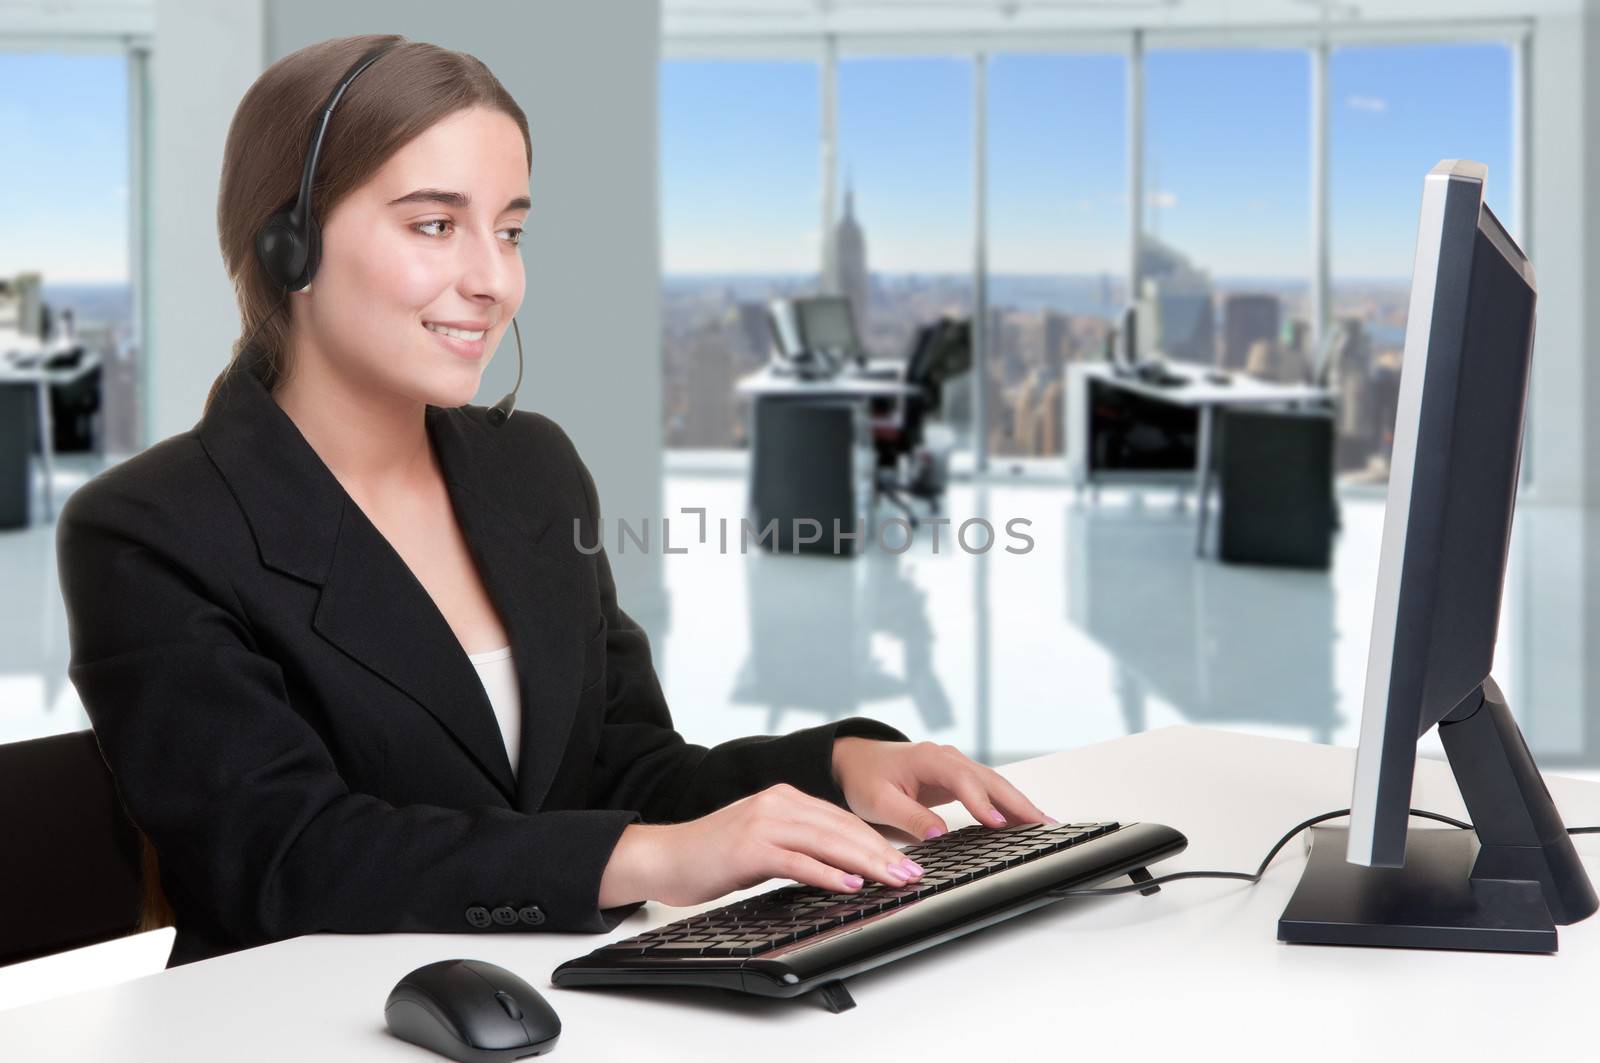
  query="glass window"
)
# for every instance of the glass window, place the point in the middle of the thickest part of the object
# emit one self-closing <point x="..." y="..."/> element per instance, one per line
<point x="904" y="237"/>
<point x="740" y="174"/>
<point x="1058" y="234"/>
<point x="1394" y="111"/>
<point x="64" y="258"/>
<point x="1227" y="236"/>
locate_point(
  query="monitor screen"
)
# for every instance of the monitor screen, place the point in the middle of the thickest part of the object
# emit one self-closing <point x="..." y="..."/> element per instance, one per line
<point x="1452" y="490"/>
<point x="826" y="323"/>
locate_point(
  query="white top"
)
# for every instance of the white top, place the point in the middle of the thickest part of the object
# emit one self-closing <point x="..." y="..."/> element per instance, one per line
<point x="499" y="675"/>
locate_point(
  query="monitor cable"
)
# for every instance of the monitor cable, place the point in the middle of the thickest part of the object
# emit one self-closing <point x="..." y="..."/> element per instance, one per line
<point x="1148" y="885"/>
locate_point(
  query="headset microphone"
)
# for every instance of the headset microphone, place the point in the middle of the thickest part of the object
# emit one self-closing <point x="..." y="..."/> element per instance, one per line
<point x="500" y="412"/>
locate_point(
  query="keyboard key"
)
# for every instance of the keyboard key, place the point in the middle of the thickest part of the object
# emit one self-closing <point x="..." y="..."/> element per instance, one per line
<point x="678" y="948"/>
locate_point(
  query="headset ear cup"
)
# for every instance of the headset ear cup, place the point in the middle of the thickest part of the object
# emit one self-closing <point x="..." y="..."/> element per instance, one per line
<point x="282" y="252"/>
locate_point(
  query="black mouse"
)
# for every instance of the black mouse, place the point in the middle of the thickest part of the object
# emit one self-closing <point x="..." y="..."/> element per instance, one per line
<point x="471" y="1011"/>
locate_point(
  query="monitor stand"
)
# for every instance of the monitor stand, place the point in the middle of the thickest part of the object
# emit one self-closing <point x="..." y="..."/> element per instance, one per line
<point x="1503" y="886"/>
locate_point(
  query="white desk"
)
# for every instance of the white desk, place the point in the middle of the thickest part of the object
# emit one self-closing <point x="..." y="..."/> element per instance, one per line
<point x="1199" y="393"/>
<point x="766" y="382"/>
<point x="1192" y="972"/>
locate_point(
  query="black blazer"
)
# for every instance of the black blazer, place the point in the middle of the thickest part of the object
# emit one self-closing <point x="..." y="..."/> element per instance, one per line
<point x="294" y="725"/>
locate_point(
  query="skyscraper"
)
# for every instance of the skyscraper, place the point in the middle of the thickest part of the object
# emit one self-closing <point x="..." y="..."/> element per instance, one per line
<point x="1179" y="295"/>
<point x="850" y="253"/>
<point x="1246" y="320"/>
<point x="1055" y="341"/>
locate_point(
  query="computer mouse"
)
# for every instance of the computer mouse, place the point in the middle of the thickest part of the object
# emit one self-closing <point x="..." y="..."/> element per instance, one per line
<point x="471" y="1011"/>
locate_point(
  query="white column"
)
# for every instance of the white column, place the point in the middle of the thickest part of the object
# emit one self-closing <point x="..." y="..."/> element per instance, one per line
<point x="1135" y="160"/>
<point x="830" y="160"/>
<point x="980" y="261"/>
<point x="1321" y="303"/>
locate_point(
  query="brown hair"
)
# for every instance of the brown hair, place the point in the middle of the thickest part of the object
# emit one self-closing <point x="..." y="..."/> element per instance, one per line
<point x="395" y="100"/>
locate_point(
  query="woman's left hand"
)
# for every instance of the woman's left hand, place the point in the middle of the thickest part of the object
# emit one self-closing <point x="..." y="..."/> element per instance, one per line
<point x="893" y="783"/>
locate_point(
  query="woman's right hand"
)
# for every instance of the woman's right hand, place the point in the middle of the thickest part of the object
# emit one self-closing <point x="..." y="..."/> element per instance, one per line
<point x="780" y="832"/>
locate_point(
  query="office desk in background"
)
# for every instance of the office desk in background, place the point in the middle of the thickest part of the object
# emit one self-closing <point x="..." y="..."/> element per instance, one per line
<point x="811" y="447"/>
<point x="1193" y="969"/>
<point x="1194" y="402"/>
<point x="22" y="366"/>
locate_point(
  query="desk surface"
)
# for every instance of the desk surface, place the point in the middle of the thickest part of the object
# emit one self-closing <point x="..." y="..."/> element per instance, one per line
<point x="1197" y="966"/>
<point x="1245" y="390"/>
<point x="766" y="383"/>
<point x="12" y="373"/>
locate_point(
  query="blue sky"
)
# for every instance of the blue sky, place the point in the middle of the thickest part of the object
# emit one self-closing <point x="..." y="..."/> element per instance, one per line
<point x="1227" y="152"/>
<point x="64" y="124"/>
<point x="1227" y="148"/>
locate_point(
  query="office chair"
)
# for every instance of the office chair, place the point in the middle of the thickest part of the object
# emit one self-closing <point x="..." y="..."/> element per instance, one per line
<point x="75" y="407"/>
<point x="78" y="864"/>
<point x="940" y="352"/>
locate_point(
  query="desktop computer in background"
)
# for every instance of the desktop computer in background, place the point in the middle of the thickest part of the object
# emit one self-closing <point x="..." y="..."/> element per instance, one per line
<point x="1506" y="884"/>
<point x="827" y="323"/>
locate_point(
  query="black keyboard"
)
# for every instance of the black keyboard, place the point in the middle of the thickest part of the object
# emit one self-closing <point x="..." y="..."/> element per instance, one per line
<point x="798" y="938"/>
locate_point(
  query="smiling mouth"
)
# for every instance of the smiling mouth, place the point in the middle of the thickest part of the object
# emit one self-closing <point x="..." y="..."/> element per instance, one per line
<point x="460" y="334"/>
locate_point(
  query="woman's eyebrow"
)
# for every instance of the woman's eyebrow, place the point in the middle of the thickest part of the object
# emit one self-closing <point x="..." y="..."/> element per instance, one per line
<point x="454" y="199"/>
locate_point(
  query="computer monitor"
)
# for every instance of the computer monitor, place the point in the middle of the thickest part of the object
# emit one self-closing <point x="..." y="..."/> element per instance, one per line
<point x="1452" y="489"/>
<point x="785" y="334"/>
<point x="828" y="324"/>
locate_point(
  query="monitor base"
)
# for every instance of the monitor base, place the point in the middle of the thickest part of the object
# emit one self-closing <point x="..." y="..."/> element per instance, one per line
<point x="1433" y="902"/>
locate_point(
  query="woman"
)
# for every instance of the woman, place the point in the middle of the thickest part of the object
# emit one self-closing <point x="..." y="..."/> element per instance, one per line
<point x="279" y="617"/>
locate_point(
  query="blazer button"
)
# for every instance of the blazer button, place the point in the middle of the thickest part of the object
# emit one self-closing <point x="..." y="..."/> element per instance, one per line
<point x="478" y="916"/>
<point x="504" y="915"/>
<point x="531" y="914"/>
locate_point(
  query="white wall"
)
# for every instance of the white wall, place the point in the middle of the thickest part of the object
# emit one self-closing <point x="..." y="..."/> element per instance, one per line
<point x="1565" y="248"/>
<point x="586" y="74"/>
<point x="204" y="56"/>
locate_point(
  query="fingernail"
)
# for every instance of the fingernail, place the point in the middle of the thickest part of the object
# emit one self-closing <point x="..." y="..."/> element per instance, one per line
<point x="853" y="881"/>
<point x="933" y="832"/>
<point x="995" y="817"/>
<point x="911" y="866"/>
<point x="1053" y="821"/>
<point x="897" y="873"/>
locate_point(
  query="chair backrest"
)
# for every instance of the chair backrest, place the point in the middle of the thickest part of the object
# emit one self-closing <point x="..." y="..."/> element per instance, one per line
<point x="917" y="362"/>
<point x="73" y="863"/>
<point x="948" y="355"/>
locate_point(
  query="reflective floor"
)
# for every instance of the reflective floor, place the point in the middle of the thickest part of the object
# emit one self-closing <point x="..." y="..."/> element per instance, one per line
<point x="1106" y="625"/>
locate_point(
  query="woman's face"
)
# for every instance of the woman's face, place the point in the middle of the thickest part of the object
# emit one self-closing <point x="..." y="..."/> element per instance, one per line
<point x="428" y="242"/>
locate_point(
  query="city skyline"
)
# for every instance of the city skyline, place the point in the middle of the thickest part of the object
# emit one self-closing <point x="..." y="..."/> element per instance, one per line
<point x="1227" y="165"/>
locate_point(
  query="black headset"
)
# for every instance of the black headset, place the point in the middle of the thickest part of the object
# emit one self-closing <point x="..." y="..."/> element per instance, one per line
<point x="289" y="245"/>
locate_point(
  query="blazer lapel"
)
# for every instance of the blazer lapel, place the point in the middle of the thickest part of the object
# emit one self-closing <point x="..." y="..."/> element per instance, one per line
<point x="373" y="608"/>
<point x="533" y="582"/>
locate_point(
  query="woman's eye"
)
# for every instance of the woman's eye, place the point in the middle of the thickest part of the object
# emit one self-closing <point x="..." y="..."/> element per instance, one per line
<point x="421" y="226"/>
<point x="516" y="237"/>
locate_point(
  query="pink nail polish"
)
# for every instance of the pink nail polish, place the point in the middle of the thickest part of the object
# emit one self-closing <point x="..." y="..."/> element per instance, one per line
<point x="933" y="832"/>
<point x="853" y="881"/>
<point x="912" y="867"/>
<point x="1053" y="821"/>
<point x="996" y="818"/>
